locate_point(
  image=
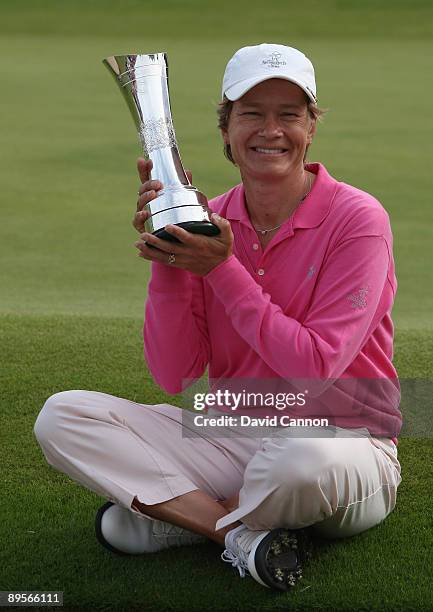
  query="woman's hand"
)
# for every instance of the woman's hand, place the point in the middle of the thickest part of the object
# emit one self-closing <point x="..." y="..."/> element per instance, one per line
<point x="196" y="253"/>
<point x="147" y="192"/>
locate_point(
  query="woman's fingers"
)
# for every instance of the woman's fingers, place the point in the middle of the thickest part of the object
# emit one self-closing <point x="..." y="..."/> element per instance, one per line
<point x="224" y="226"/>
<point x="147" y="192"/>
<point x="148" y="186"/>
<point x="150" y="254"/>
<point x="140" y="219"/>
<point x="163" y="251"/>
<point x="166" y="246"/>
<point x="144" y="168"/>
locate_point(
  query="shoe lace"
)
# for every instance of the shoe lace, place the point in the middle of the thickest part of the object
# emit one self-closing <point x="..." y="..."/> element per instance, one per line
<point x="239" y="543"/>
<point x="229" y="557"/>
<point x="163" y="530"/>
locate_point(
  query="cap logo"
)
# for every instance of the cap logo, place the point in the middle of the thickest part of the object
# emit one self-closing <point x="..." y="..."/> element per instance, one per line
<point x="274" y="60"/>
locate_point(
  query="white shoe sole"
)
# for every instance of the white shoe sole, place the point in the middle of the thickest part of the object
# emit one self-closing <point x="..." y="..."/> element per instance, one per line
<point x="124" y="532"/>
<point x="119" y="530"/>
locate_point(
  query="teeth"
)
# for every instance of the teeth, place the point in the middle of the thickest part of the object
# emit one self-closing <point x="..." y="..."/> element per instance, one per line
<point x="269" y="151"/>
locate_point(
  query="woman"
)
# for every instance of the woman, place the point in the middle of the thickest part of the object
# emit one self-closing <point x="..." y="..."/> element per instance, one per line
<point x="299" y="284"/>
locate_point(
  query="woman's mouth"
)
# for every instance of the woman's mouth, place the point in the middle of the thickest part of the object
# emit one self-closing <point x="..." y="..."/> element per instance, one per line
<point x="269" y="151"/>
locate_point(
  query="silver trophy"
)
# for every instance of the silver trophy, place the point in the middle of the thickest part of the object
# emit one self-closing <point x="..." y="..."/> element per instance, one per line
<point x="143" y="80"/>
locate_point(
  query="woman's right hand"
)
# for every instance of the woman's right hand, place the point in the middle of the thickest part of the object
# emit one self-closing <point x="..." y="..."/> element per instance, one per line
<point x="148" y="191"/>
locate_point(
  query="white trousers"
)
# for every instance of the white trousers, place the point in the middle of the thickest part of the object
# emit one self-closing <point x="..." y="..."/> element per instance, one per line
<point x="119" y="449"/>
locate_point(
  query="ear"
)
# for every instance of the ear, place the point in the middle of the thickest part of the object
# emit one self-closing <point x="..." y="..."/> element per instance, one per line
<point x="311" y="131"/>
<point x="225" y="136"/>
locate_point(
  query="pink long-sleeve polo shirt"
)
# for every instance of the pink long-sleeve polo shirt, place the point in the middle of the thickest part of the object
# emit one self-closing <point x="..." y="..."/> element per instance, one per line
<point x="315" y="304"/>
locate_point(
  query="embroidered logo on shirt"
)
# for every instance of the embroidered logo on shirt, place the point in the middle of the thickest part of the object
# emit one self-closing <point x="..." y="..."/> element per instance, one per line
<point x="311" y="271"/>
<point x="359" y="299"/>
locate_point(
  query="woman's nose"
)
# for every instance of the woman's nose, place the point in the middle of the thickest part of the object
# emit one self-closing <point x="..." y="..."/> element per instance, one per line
<point x="270" y="127"/>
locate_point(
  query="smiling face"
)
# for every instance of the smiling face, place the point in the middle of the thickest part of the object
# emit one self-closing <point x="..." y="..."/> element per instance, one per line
<point x="269" y="130"/>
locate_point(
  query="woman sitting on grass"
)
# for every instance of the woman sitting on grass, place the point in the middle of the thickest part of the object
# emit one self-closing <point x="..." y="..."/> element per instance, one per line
<point x="299" y="284"/>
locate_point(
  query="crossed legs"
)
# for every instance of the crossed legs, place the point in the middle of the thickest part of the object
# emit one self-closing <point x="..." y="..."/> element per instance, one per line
<point x="195" y="511"/>
<point x="135" y="455"/>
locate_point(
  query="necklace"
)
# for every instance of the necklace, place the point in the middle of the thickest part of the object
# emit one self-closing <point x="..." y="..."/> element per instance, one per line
<point x="263" y="232"/>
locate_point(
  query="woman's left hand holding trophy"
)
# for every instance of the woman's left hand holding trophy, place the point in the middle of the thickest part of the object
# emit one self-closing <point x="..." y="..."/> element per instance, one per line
<point x="196" y="253"/>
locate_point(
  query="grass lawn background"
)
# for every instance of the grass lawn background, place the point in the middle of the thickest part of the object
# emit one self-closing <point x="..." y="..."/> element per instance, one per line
<point x="72" y="288"/>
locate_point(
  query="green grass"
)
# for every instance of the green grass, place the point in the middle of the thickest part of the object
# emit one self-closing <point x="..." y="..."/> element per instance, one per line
<point x="73" y="289"/>
<point x="69" y="146"/>
<point x="47" y="536"/>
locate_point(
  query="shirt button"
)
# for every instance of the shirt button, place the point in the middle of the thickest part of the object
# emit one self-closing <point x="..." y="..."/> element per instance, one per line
<point x="255" y="247"/>
<point x="260" y="272"/>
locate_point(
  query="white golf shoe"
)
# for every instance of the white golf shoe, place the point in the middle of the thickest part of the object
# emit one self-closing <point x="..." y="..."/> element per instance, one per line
<point x="273" y="558"/>
<point x="124" y="532"/>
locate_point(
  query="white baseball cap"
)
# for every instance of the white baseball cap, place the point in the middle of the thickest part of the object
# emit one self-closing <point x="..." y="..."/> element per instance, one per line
<point x="252" y="65"/>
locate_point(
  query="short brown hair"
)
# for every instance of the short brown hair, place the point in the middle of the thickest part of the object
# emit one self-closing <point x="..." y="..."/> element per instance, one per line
<point x="225" y="108"/>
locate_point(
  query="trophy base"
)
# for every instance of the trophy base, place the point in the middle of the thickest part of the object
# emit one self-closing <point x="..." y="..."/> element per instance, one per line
<point x="206" y="228"/>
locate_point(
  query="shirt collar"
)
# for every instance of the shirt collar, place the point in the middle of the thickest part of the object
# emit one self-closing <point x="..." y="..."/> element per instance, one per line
<point x="312" y="211"/>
